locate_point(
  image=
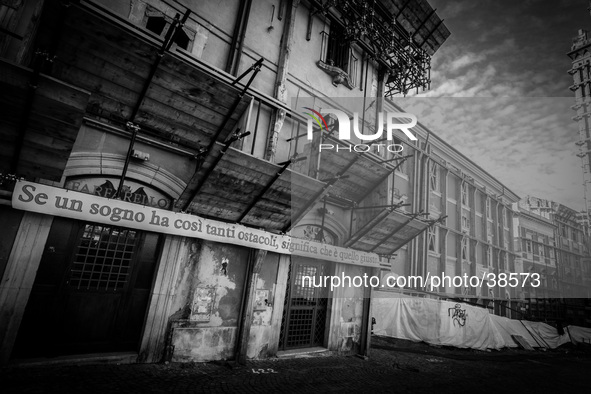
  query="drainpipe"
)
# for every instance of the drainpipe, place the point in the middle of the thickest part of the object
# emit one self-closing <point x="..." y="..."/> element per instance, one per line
<point x="244" y="26"/>
<point x="237" y="29"/>
<point x="280" y="92"/>
<point x="425" y="186"/>
<point x="421" y="204"/>
<point x="415" y="205"/>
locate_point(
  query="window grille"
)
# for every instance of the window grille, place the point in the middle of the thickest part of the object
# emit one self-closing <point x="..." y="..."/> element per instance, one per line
<point x="103" y="258"/>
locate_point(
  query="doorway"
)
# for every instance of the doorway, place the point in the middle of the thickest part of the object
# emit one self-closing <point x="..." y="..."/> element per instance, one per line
<point x="91" y="291"/>
<point x="305" y="308"/>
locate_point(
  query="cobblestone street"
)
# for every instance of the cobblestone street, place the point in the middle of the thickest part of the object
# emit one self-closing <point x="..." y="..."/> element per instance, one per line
<point x="394" y="366"/>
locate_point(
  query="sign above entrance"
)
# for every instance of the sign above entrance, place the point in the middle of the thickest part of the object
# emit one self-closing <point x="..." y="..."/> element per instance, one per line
<point x="55" y="201"/>
<point x="132" y="191"/>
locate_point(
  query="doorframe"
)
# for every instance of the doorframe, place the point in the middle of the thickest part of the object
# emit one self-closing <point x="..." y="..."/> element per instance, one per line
<point x="63" y="292"/>
<point x="19" y="276"/>
<point x="328" y="270"/>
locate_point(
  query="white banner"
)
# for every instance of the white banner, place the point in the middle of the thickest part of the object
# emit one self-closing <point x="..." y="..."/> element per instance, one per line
<point x="55" y="201"/>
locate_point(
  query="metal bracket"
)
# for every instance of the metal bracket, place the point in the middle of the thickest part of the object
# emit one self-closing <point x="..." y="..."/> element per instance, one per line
<point x="212" y="167"/>
<point x="278" y="174"/>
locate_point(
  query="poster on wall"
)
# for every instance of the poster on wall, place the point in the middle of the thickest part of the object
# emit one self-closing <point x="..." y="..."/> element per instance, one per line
<point x="202" y="304"/>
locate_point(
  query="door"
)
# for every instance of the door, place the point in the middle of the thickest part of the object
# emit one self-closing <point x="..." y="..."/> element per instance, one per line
<point x="305" y="309"/>
<point x="91" y="291"/>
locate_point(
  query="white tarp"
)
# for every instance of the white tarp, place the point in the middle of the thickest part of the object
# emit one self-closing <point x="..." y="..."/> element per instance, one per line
<point x="435" y="322"/>
<point x="507" y="327"/>
<point x="546" y="334"/>
<point x="461" y="325"/>
<point x="579" y="334"/>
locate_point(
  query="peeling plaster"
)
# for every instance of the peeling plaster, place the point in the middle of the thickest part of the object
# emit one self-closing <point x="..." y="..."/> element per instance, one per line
<point x="211" y="334"/>
<point x="210" y="274"/>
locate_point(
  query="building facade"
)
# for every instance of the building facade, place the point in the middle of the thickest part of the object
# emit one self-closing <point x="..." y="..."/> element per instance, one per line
<point x="160" y="195"/>
<point x="551" y="242"/>
<point x="472" y="215"/>
<point x="536" y="250"/>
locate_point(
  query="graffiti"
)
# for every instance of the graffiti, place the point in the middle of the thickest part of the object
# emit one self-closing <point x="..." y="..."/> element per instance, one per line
<point x="261" y="370"/>
<point x="458" y="315"/>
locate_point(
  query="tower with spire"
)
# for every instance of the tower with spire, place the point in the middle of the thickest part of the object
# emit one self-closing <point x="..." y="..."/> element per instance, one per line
<point x="580" y="55"/>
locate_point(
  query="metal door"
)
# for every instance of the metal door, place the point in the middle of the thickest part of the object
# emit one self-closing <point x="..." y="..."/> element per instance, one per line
<point x="305" y="307"/>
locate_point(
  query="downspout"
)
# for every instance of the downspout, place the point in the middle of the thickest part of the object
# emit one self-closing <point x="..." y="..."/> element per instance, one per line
<point x="244" y="26"/>
<point x="423" y="237"/>
<point x="417" y="206"/>
<point x="280" y="91"/>
<point x="237" y="26"/>
<point x="426" y="194"/>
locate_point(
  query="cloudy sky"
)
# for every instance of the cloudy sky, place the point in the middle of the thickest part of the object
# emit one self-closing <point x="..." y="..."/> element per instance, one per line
<point x="505" y="67"/>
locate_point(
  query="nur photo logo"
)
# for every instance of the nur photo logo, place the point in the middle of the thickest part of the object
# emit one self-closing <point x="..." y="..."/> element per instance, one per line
<point x="393" y="121"/>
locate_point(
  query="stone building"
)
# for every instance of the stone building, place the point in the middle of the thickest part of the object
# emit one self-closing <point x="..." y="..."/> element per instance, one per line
<point x="472" y="215"/>
<point x="535" y="246"/>
<point x="551" y="242"/>
<point x="161" y="199"/>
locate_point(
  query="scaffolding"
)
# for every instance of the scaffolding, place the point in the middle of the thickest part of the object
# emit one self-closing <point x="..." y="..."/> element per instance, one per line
<point x="400" y="35"/>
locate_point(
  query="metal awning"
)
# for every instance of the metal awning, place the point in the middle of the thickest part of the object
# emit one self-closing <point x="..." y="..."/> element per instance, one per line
<point x="236" y="187"/>
<point x="113" y="59"/>
<point x="420" y="19"/>
<point x="39" y="120"/>
<point x="358" y="174"/>
<point x="387" y="232"/>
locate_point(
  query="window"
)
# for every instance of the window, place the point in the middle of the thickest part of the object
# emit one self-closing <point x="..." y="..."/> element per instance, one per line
<point x="337" y="58"/>
<point x="489" y="256"/>
<point x="400" y="164"/>
<point x="465" y="200"/>
<point x="159" y="23"/>
<point x="489" y="231"/>
<point x="433" y="239"/>
<point x="103" y="258"/>
<point x="337" y="50"/>
<point x="434" y="177"/>
<point x="488" y="209"/>
<point x="528" y="246"/>
<point x="465" y="248"/>
<point x="465" y="221"/>
<point x="542" y="251"/>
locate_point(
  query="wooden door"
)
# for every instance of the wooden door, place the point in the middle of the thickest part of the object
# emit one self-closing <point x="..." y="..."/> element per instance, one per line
<point x="91" y="291"/>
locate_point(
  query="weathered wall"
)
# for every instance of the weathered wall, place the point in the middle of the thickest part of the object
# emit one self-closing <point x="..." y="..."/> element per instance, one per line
<point x="346" y="310"/>
<point x="260" y="341"/>
<point x="209" y="289"/>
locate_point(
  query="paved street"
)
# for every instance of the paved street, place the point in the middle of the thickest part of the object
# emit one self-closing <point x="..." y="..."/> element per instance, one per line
<point x="395" y="366"/>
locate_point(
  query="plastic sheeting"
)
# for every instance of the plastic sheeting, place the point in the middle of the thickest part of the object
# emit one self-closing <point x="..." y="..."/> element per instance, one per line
<point x="460" y="325"/>
<point x="579" y="334"/>
<point x="546" y="335"/>
<point x="435" y="322"/>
